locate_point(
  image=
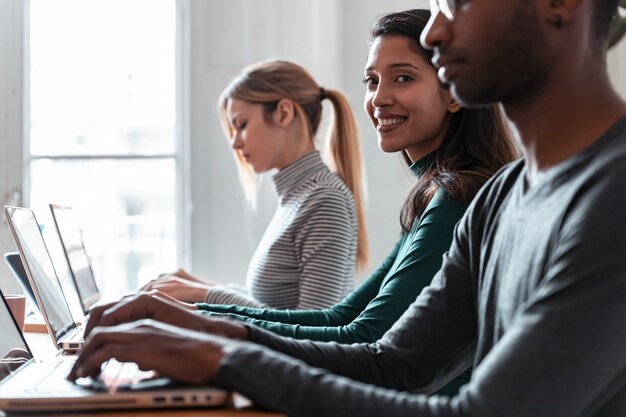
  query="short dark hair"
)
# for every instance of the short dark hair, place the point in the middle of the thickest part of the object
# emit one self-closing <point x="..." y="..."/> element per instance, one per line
<point x="603" y="14"/>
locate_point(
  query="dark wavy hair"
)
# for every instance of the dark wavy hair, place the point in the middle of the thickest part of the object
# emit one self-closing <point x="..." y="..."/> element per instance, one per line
<point x="478" y="141"/>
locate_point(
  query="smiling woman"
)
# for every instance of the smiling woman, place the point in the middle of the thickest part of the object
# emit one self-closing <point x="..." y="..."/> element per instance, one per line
<point x="449" y="160"/>
<point x="451" y="151"/>
<point x="401" y="89"/>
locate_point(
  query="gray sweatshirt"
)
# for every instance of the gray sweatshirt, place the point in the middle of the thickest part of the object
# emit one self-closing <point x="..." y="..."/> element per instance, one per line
<point x="532" y="292"/>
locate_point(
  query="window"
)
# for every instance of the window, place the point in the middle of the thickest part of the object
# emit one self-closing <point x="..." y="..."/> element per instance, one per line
<point x="102" y="134"/>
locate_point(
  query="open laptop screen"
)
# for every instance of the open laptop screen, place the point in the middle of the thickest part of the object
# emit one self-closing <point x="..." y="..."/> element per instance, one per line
<point x="76" y="256"/>
<point x="16" y="266"/>
<point x="13" y="350"/>
<point x="41" y="270"/>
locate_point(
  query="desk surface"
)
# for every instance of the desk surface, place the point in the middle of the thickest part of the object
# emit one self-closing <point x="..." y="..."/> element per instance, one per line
<point x="42" y="347"/>
<point x="154" y="413"/>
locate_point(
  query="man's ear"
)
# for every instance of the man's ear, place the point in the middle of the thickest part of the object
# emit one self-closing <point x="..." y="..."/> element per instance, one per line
<point x="559" y="13"/>
<point x="284" y="113"/>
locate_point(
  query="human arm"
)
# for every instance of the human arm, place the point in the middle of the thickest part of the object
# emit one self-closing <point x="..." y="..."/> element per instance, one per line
<point x="112" y="339"/>
<point x="581" y="367"/>
<point x="147" y="328"/>
<point x="190" y="289"/>
<point x="341" y="313"/>
<point x="561" y="355"/>
<point x="579" y="364"/>
<point x="395" y="363"/>
<point x="163" y="308"/>
<point x="184" y="355"/>
<point x="378" y="303"/>
<point x="180" y="285"/>
<point x="324" y="245"/>
<point x="231" y="295"/>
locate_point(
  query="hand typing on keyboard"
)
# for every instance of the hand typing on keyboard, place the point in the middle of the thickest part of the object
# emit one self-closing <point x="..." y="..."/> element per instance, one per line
<point x="158" y="336"/>
<point x="117" y="376"/>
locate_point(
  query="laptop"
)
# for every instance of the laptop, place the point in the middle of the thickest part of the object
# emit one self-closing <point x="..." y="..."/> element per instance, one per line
<point x="30" y="386"/>
<point x="76" y="255"/>
<point x="14" y="262"/>
<point x="66" y="335"/>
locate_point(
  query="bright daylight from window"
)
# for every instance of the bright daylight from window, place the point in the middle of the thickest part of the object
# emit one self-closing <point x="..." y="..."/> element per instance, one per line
<point x="102" y="131"/>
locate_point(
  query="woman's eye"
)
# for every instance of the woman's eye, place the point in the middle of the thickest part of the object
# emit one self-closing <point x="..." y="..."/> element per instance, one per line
<point x="404" y="78"/>
<point x="368" y="81"/>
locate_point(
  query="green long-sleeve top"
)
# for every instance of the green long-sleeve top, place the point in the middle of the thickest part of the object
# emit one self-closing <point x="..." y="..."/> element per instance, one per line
<point x="373" y="307"/>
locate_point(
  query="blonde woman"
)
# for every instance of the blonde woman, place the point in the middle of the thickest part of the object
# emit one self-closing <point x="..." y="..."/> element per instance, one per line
<point x="307" y="256"/>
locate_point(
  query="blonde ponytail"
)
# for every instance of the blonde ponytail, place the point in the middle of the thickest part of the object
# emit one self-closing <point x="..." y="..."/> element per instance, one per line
<point x="343" y="154"/>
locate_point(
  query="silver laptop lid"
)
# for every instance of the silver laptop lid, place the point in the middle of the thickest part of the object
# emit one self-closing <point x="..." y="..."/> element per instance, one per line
<point x="76" y="255"/>
<point x="14" y="352"/>
<point x="40" y="271"/>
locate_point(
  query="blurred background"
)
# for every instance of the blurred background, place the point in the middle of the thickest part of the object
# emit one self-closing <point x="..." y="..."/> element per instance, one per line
<point x="109" y="106"/>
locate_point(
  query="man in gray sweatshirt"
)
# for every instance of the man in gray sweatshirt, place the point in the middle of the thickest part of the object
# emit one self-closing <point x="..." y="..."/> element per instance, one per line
<point x="533" y="290"/>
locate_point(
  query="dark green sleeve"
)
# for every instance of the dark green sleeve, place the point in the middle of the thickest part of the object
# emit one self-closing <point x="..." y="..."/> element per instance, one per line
<point x="339" y="314"/>
<point x="418" y="258"/>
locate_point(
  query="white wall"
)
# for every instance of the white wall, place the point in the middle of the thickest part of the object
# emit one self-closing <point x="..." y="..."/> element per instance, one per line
<point x="327" y="36"/>
<point x="11" y="120"/>
<point x="225" y="37"/>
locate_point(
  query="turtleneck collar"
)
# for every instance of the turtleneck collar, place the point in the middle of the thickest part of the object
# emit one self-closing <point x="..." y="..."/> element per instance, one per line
<point x="294" y="174"/>
<point x="418" y="167"/>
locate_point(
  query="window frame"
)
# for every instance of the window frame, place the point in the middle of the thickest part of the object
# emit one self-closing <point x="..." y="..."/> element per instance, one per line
<point x="180" y="156"/>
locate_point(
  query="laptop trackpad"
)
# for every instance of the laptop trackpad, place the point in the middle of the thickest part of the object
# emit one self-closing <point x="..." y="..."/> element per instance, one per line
<point x="117" y="376"/>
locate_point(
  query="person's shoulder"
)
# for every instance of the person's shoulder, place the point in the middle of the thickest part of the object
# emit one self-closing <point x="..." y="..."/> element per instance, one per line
<point x="503" y="177"/>
<point x="443" y="199"/>
<point x="328" y="178"/>
<point x="495" y="193"/>
<point x="602" y="162"/>
<point x="609" y="152"/>
<point x="506" y="176"/>
<point x="326" y="185"/>
<point x="326" y="194"/>
<point x="496" y="186"/>
<point x="500" y="183"/>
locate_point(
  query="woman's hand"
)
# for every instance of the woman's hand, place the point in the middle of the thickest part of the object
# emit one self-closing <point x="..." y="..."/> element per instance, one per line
<point x="161" y="308"/>
<point x="180" y="285"/>
<point x="182" y="289"/>
<point x="187" y="356"/>
<point x="181" y="273"/>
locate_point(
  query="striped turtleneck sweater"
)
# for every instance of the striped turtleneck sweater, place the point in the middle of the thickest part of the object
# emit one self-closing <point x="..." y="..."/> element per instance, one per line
<point x="306" y="257"/>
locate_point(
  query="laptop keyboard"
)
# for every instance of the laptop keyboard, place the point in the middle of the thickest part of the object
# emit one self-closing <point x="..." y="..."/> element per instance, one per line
<point x="116" y="376"/>
<point x="52" y="380"/>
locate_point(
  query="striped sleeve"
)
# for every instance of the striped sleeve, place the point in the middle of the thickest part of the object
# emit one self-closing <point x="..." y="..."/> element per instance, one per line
<point x="231" y="296"/>
<point x="325" y="244"/>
